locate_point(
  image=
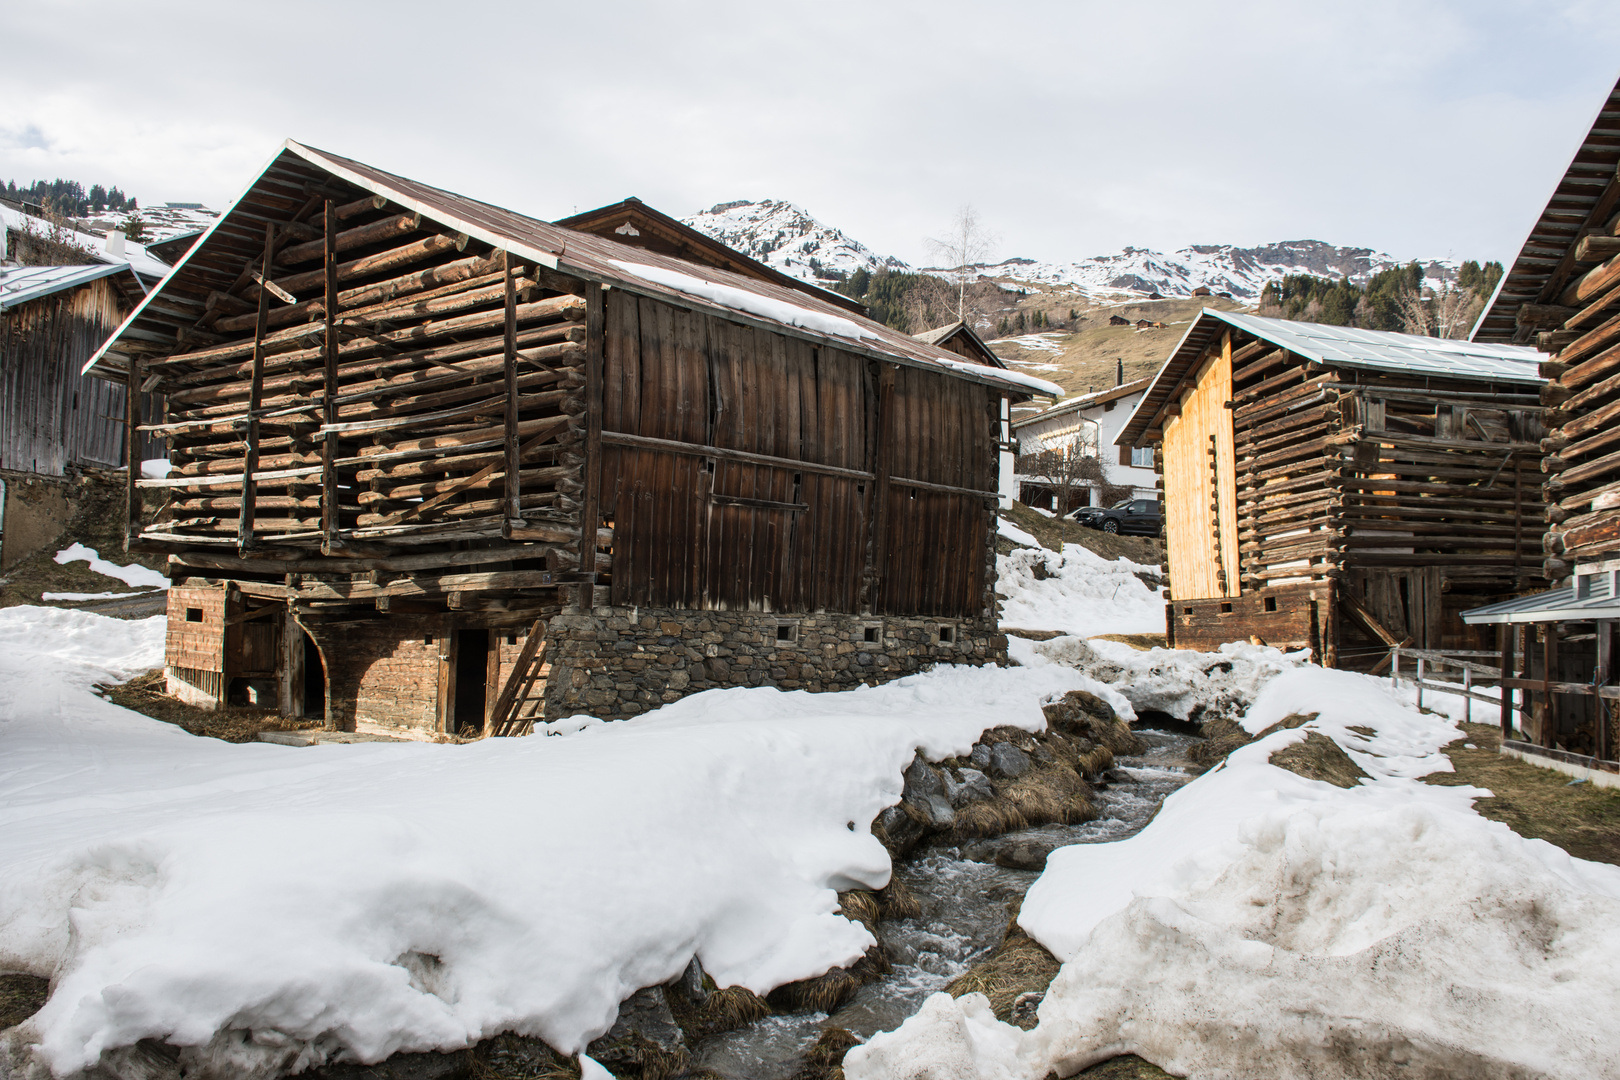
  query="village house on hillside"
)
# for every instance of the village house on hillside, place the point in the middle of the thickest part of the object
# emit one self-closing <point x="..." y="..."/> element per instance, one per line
<point x="441" y="467"/>
<point x="1339" y="489"/>
<point x="1086" y="425"/>
<point x="55" y="422"/>
<point x="1563" y="294"/>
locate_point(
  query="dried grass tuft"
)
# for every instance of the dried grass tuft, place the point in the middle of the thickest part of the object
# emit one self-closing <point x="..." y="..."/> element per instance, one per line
<point x="730" y="1008"/>
<point x="1050" y="794"/>
<point x="1018" y="966"/>
<point x="896" y="901"/>
<point x="826" y="992"/>
<point x="861" y="906"/>
<point x="1094" y="762"/>
<point x="991" y="817"/>
<point x="520" y="1057"/>
<point x="825" y="1061"/>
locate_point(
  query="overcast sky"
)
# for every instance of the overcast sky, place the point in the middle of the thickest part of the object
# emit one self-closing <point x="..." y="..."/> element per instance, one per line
<point x="1424" y="128"/>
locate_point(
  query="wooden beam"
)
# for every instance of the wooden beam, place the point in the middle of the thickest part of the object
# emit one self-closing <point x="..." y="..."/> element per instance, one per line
<point x="877" y="563"/>
<point x="132" y="451"/>
<point x="591" y="497"/>
<point x="329" y="413"/>
<point x="250" y="461"/>
<point x="513" y="453"/>
<point x="672" y="446"/>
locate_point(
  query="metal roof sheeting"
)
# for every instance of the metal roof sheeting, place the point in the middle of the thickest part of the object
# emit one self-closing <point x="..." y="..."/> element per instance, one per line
<point x="1593" y="597"/>
<point x="1545" y="264"/>
<point x="1340" y="347"/>
<point x="20" y="284"/>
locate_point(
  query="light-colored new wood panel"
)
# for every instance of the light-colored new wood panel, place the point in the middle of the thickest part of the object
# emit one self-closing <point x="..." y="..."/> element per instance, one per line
<point x="1201" y="496"/>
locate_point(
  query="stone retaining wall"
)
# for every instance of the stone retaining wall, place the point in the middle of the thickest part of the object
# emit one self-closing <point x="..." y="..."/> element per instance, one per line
<point x="618" y="662"/>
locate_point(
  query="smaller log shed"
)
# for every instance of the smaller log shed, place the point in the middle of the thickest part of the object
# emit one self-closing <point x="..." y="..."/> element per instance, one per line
<point x="1341" y="490"/>
<point x="1563" y="294"/>
<point x="439" y="467"/>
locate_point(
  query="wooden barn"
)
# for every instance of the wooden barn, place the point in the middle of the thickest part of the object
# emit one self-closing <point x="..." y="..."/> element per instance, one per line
<point x="441" y="467"/>
<point x="960" y="338"/>
<point x="1563" y="294"/>
<point x="1339" y="489"/>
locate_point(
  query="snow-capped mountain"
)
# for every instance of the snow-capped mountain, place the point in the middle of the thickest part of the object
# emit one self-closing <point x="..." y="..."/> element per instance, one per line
<point x="786" y="238"/>
<point x="1243" y="272"/>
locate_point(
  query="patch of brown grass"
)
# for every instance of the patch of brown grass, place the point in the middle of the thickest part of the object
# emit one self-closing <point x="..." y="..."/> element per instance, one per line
<point x="21" y="996"/>
<point x="1534" y="802"/>
<point x="144" y="694"/>
<point x="1129" y="1067"/>
<point x="825" y="1060"/>
<point x="1018" y="966"/>
<point x="520" y="1057"/>
<point x="1053" y="533"/>
<point x="1319" y="758"/>
<point x="896" y="901"/>
<point x="827" y="991"/>
<point x="1139" y="642"/>
<point x="1050" y="794"/>
<point x="991" y="817"/>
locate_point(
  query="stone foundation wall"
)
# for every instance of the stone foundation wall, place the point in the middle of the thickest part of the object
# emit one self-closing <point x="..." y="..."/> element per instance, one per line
<point x="618" y="662"/>
<point x="387" y="674"/>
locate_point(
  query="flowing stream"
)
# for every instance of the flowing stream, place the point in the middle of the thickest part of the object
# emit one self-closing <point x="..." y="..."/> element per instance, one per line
<point x="964" y="898"/>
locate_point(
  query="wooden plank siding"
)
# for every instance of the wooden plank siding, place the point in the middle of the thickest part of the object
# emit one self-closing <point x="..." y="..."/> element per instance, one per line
<point x="1200" y="522"/>
<point x="51" y="417"/>
<point x="694" y="531"/>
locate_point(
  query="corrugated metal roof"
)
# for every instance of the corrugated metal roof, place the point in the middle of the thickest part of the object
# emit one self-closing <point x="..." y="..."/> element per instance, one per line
<point x="215" y="261"/>
<point x="135" y="255"/>
<point x="20" y="284"/>
<point x="1087" y="401"/>
<point x="1595" y="599"/>
<point x="1583" y="199"/>
<point x="1339" y="347"/>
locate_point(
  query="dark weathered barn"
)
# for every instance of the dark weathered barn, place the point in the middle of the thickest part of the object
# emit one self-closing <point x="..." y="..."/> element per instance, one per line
<point x="1338" y="489"/>
<point x="961" y="339"/>
<point x="1563" y="293"/>
<point x="414" y="436"/>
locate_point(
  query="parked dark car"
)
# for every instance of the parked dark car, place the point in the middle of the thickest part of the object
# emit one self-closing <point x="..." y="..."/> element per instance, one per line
<point x="1141" y="517"/>
<point x="1089" y="516"/>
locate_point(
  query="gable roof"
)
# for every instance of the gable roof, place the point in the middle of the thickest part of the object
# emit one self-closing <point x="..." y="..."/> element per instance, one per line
<point x="135" y="256"/>
<point x="656" y="231"/>
<point x="20" y="284"/>
<point x="1088" y="401"/>
<point x="216" y="260"/>
<point x="1336" y="347"/>
<point x="1585" y="198"/>
<point x="961" y="333"/>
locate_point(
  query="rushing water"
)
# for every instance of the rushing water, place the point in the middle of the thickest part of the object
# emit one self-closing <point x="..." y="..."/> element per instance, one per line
<point x="964" y="898"/>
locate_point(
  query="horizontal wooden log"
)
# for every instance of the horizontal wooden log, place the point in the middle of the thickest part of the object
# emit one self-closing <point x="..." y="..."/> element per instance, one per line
<point x="426" y="585"/>
<point x="376" y="232"/>
<point x="381" y="263"/>
<point x="1542" y="316"/>
<point x="527" y="429"/>
<point x="1591" y="283"/>
<point x="549" y="533"/>
<point x="642" y="442"/>
<point x="427" y="489"/>
<point x="1593" y="247"/>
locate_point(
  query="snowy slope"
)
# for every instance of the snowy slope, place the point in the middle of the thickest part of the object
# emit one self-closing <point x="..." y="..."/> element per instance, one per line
<point x="787" y="238"/>
<point x="161" y="221"/>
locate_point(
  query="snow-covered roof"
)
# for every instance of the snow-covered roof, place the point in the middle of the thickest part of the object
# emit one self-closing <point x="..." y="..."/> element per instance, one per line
<point x="1339" y="347"/>
<point x="20" y="284"/>
<point x="1088" y="401"/>
<point x="135" y="255"/>
<point x="1590" y="596"/>
<point x="237" y="237"/>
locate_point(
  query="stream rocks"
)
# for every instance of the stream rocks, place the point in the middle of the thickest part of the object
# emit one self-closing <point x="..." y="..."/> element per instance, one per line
<point x="645" y="1037"/>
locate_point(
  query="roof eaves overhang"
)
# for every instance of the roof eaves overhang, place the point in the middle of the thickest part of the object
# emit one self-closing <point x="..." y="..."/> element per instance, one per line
<point x="1146" y="414"/>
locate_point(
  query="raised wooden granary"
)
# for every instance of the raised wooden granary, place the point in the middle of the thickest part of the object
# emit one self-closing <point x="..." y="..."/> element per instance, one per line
<point x="1341" y="490"/>
<point x="1562" y="293"/>
<point x="441" y="467"/>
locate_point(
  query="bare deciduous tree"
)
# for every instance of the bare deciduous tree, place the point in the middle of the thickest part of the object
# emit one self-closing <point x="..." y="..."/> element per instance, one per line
<point x="1448" y="313"/>
<point x="966" y="245"/>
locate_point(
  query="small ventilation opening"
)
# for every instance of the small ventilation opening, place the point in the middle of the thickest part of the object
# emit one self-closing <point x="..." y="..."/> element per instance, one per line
<point x="870" y="634"/>
<point x="1186" y="611"/>
<point x="1271" y="603"/>
<point x="511" y="639"/>
<point x="786" y="631"/>
<point x="947" y="634"/>
<point x="193" y="614"/>
<point x="1226" y="609"/>
<point x="427" y="640"/>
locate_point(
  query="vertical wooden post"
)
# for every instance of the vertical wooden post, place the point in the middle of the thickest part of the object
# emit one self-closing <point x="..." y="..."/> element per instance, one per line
<point x="1419" y="683"/>
<point x="514" y="499"/>
<point x="1507" y="635"/>
<point x="448" y="721"/>
<point x="132" y="453"/>
<point x="1468" y="693"/>
<point x="250" y="461"/>
<point x="329" y="412"/>
<point x="591" y="498"/>
<point x="1601" y="677"/>
<point x="291" y="683"/>
<point x="1549" y="661"/>
<point x="878" y="550"/>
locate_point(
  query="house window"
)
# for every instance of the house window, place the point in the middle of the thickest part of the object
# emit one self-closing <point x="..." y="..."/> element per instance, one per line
<point x="1142" y="457"/>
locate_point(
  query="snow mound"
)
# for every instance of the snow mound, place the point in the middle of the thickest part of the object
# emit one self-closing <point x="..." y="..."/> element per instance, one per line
<point x="1184" y="684"/>
<point x="1078" y="592"/>
<point x="1264" y="922"/>
<point x="134" y="575"/>
<point x="1015" y="534"/>
<point x="270" y="908"/>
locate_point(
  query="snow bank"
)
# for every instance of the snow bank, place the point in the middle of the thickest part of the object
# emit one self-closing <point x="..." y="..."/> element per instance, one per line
<point x="134" y="574"/>
<point x="1184" y="684"/>
<point x="270" y="907"/>
<point x="1077" y="591"/>
<point x="79" y="597"/>
<point x="752" y="303"/>
<point x="1015" y="534"/>
<point x="1266" y="922"/>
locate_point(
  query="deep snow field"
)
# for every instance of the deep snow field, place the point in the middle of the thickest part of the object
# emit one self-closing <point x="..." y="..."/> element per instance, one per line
<point x="271" y="907"/>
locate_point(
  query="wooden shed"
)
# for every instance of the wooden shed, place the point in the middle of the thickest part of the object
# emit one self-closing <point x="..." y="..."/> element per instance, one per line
<point x="474" y="467"/>
<point x="1563" y="294"/>
<point x="1339" y="489"/>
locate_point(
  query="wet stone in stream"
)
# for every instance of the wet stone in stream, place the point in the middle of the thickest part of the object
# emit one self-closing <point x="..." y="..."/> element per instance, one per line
<point x="964" y="890"/>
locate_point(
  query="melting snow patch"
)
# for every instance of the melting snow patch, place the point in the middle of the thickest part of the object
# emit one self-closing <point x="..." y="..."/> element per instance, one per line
<point x="76" y="597"/>
<point x="1078" y="592"/>
<point x="268" y="911"/>
<point x="743" y="300"/>
<point x="1015" y="534"/>
<point x="134" y="574"/>
<point x="1268" y="923"/>
<point x="155" y="468"/>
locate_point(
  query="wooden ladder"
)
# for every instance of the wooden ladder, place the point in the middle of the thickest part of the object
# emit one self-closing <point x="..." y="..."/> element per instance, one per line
<point x="507" y="718"/>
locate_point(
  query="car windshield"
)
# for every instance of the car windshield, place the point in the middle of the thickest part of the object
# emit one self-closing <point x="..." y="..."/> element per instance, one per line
<point x="1124" y="504"/>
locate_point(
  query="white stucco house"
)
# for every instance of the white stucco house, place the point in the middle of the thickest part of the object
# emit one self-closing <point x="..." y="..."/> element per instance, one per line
<point x="1086" y="425"/>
